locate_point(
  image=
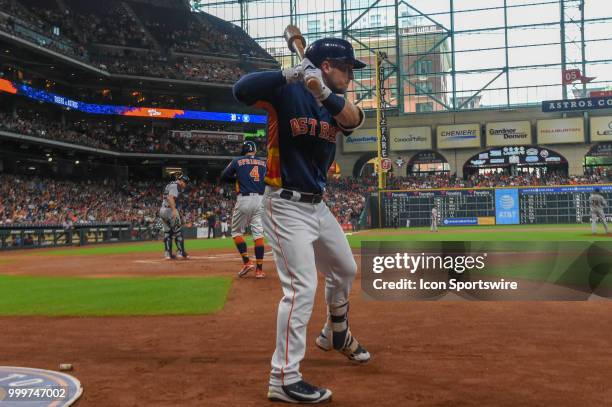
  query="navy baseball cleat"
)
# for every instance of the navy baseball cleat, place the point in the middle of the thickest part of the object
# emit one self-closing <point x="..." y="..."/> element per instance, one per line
<point x="299" y="393"/>
<point x="169" y="256"/>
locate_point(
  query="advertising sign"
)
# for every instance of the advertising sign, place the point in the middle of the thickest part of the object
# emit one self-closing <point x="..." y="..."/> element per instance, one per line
<point x="508" y="133"/>
<point x="561" y="131"/>
<point x="458" y="136"/>
<point x="410" y="138"/>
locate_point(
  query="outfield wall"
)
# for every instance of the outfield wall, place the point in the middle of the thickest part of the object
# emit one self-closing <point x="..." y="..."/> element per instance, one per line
<point x="562" y="204"/>
<point x="37" y="236"/>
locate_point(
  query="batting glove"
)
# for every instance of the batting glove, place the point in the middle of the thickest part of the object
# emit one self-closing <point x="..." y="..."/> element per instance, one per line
<point x="320" y="92"/>
<point x="306" y="65"/>
<point x="293" y="74"/>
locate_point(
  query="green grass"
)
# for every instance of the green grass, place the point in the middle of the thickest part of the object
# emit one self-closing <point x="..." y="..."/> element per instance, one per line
<point x="63" y="296"/>
<point x="60" y="296"/>
<point x="448" y="233"/>
<point x="519" y="233"/>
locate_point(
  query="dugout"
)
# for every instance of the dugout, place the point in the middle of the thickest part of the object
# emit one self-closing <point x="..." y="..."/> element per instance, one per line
<point x="516" y="160"/>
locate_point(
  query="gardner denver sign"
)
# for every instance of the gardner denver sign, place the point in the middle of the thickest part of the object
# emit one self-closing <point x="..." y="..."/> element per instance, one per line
<point x="508" y="133"/>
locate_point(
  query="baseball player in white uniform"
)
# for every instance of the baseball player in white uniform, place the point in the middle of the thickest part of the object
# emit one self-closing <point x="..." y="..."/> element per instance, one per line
<point x="224" y="225"/>
<point x="598" y="203"/>
<point x="434" y="219"/>
<point x="303" y="128"/>
<point x="171" y="219"/>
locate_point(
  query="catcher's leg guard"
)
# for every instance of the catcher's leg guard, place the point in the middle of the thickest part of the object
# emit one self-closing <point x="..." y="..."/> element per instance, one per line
<point x="168" y="243"/>
<point x="180" y="243"/>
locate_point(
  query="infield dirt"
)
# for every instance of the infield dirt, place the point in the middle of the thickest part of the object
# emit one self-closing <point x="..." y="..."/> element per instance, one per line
<point x="446" y="353"/>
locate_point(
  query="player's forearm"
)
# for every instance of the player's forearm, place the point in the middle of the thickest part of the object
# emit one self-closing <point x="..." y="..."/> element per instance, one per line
<point x="251" y="87"/>
<point x="346" y="114"/>
<point x="350" y="117"/>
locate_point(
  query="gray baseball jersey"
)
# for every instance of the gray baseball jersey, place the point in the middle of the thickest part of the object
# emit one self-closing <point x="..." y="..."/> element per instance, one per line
<point x="597" y="202"/>
<point x="434" y="219"/>
<point x="171" y="189"/>
<point x="165" y="212"/>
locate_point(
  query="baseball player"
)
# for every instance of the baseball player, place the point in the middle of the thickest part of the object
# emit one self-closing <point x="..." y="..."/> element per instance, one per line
<point x="303" y="127"/>
<point x="224" y="225"/>
<point x="434" y="219"/>
<point x="249" y="173"/>
<point x="171" y="219"/>
<point x="597" y="202"/>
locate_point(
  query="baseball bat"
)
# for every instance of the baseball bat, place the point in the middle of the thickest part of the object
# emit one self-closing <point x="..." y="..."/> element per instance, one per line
<point x="297" y="43"/>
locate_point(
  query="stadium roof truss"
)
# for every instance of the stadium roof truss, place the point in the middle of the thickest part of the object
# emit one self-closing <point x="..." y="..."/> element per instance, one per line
<point x="447" y="55"/>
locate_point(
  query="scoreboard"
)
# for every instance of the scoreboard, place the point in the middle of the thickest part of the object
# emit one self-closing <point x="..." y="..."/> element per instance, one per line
<point x="563" y="204"/>
<point x="413" y="208"/>
<point x="488" y="206"/>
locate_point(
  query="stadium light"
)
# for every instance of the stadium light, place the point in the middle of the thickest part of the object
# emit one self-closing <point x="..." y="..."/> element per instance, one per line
<point x="50" y="159"/>
<point x="77" y="162"/>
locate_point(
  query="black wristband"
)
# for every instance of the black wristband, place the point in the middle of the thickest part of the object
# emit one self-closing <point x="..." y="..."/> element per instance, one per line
<point x="334" y="104"/>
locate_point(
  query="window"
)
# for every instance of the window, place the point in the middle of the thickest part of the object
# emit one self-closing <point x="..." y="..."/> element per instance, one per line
<point x="330" y="24"/>
<point x="424" y="67"/>
<point x="314" y="26"/>
<point x="423" y="88"/>
<point x="404" y="19"/>
<point x="375" y="20"/>
<point x="424" y="107"/>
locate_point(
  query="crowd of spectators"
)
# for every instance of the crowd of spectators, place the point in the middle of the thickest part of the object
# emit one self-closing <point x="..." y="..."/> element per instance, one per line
<point x="491" y="179"/>
<point x="179" y="30"/>
<point x="36" y="200"/>
<point x="346" y="198"/>
<point x="21" y="22"/>
<point x="107" y="23"/>
<point x="120" y="136"/>
<point x="79" y="28"/>
<point x="203" y="34"/>
<point x="162" y="66"/>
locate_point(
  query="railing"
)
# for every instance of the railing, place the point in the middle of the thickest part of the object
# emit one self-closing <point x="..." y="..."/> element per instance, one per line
<point x="53" y="235"/>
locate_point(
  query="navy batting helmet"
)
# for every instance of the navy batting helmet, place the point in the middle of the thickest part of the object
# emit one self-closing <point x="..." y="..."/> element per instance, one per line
<point x="332" y="48"/>
<point x="248" y="147"/>
<point x="182" y="177"/>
